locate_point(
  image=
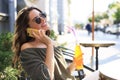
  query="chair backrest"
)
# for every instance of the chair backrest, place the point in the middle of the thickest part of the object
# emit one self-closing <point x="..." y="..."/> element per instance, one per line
<point x="68" y="53"/>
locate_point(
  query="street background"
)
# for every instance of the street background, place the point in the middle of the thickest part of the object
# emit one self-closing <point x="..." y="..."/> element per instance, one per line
<point x="106" y="55"/>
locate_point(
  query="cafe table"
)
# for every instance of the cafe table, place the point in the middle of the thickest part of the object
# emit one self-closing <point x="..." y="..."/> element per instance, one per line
<point x="110" y="71"/>
<point x="97" y="45"/>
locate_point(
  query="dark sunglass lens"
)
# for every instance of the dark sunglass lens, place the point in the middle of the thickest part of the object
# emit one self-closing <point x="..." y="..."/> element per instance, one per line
<point x="38" y="20"/>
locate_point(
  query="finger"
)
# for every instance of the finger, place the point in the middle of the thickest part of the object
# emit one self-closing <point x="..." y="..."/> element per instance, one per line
<point x="43" y="33"/>
<point x="35" y="35"/>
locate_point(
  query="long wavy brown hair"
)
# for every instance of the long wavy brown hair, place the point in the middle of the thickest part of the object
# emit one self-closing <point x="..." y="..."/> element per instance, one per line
<point x="20" y="34"/>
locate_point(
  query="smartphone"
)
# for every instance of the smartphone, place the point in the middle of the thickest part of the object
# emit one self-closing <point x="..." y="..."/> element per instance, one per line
<point x="30" y="30"/>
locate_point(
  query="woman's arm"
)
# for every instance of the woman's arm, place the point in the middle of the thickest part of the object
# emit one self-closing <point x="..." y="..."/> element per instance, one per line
<point x="72" y="67"/>
<point x="49" y="61"/>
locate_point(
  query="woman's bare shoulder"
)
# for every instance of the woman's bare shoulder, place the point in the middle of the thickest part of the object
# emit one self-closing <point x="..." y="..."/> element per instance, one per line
<point x="25" y="46"/>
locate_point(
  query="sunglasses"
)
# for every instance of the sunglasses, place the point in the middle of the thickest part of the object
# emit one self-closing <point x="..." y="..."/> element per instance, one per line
<point x="38" y="19"/>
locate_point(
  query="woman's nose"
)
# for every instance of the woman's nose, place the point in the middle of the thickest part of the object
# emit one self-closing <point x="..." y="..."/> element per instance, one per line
<point x="43" y="20"/>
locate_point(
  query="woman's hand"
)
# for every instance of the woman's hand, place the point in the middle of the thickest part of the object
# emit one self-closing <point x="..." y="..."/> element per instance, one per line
<point x="42" y="37"/>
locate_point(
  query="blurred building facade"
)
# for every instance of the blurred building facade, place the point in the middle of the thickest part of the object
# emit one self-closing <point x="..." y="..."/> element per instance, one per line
<point x="57" y="13"/>
<point x="7" y="14"/>
<point x="62" y="8"/>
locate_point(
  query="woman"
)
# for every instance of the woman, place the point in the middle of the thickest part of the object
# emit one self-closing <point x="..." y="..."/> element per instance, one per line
<point x="37" y="53"/>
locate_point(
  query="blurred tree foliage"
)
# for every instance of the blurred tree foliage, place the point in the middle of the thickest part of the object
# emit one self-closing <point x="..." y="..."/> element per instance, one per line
<point x="99" y="17"/>
<point x="53" y="35"/>
<point x="79" y="26"/>
<point x="9" y="74"/>
<point x="117" y="16"/>
<point x="115" y="9"/>
<point x="5" y="50"/>
<point x="6" y="71"/>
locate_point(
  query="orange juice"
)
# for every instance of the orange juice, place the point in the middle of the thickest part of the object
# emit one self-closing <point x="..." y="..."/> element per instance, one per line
<point x="78" y="57"/>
